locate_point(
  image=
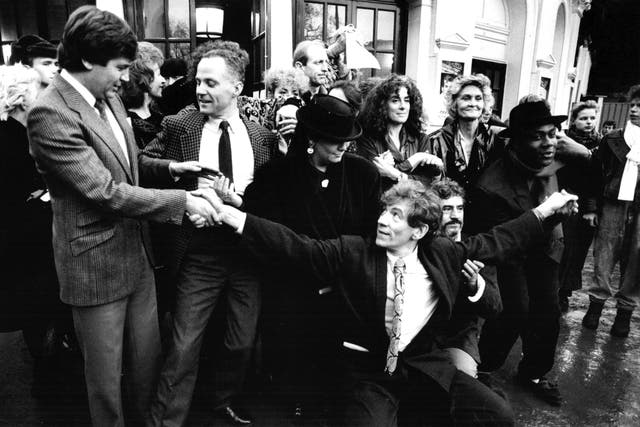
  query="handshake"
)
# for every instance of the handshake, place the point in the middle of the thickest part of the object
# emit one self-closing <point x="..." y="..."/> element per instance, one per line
<point x="205" y="205"/>
<point x="205" y="208"/>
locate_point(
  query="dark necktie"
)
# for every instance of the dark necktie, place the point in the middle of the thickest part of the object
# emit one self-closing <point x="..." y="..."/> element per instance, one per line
<point x="224" y="151"/>
<point x="399" y="270"/>
<point x="101" y="106"/>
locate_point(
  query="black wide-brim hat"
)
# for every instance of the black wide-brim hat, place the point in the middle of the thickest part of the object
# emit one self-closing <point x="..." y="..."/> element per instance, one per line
<point x="33" y="46"/>
<point x="528" y="116"/>
<point x="329" y="118"/>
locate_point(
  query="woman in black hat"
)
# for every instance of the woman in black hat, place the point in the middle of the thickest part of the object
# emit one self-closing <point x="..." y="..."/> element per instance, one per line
<point x="320" y="190"/>
<point x="393" y="138"/>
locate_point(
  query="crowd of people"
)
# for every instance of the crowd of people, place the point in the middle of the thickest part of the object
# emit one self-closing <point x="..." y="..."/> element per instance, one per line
<point x="354" y="258"/>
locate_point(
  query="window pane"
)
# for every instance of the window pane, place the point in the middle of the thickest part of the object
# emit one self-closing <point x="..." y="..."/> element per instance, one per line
<point x="209" y="21"/>
<point x="28" y="18"/>
<point x="364" y="24"/>
<point x="7" y="21"/>
<point x="113" y="6"/>
<point x="179" y="50"/>
<point x="153" y="19"/>
<point x="386" y="64"/>
<point x="179" y="19"/>
<point x="386" y="30"/>
<point x="313" y="15"/>
<point x="6" y="52"/>
<point x="336" y="17"/>
<point x="56" y="17"/>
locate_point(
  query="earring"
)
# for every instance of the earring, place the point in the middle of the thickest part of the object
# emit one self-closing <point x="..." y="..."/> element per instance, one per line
<point x="310" y="150"/>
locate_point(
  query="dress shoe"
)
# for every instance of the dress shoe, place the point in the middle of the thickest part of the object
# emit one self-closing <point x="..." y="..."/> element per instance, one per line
<point x="592" y="318"/>
<point x="543" y="388"/>
<point x="298" y="410"/>
<point x="232" y="417"/>
<point x="621" y="326"/>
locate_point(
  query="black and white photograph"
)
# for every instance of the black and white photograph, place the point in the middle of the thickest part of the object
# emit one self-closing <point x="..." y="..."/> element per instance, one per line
<point x="343" y="213"/>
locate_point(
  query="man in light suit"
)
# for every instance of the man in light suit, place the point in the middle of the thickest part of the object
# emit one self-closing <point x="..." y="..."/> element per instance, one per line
<point x="397" y="295"/>
<point x="209" y="262"/>
<point x="86" y="151"/>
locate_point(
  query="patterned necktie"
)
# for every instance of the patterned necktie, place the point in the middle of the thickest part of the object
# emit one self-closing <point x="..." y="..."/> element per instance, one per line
<point x="224" y="151"/>
<point x="101" y="106"/>
<point x="399" y="270"/>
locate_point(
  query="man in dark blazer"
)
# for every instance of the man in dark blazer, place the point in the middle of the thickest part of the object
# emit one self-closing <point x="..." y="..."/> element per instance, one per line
<point x="518" y="181"/>
<point x="86" y="151"/>
<point x="209" y="262"/>
<point x="397" y="295"/>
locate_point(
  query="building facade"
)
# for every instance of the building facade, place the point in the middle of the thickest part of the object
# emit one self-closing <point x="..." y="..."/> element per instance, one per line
<point x="523" y="46"/>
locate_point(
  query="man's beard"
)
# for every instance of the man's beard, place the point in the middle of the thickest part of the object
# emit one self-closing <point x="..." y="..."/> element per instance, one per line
<point x="452" y="233"/>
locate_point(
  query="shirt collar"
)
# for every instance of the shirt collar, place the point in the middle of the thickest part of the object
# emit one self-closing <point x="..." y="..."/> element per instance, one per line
<point x="234" y="122"/>
<point x="82" y="89"/>
<point x="410" y="259"/>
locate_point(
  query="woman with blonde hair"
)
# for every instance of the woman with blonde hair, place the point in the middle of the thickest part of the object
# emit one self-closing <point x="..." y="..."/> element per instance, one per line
<point x="464" y="144"/>
<point x="578" y="230"/>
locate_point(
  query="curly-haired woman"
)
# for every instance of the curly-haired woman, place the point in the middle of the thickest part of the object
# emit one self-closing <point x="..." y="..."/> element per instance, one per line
<point x="464" y="145"/>
<point x="393" y="138"/>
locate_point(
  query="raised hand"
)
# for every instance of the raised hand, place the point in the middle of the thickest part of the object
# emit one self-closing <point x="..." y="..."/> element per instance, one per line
<point x="591" y="219"/>
<point x="181" y="168"/>
<point x="424" y="158"/>
<point x="561" y="203"/>
<point x="470" y="271"/>
<point x="286" y="120"/>
<point x="225" y="190"/>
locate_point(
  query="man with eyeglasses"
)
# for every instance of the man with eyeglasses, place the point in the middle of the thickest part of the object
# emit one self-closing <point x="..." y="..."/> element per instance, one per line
<point x="524" y="176"/>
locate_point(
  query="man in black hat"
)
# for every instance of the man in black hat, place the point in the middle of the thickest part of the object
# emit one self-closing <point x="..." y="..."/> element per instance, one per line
<point x="522" y="178"/>
<point x="209" y="263"/>
<point x="35" y="52"/>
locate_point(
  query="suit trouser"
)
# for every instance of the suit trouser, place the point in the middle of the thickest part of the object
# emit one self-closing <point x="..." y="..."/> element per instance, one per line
<point x="201" y="280"/>
<point x="415" y="399"/>
<point x="617" y="240"/>
<point x="530" y="311"/>
<point x="127" y="327"/>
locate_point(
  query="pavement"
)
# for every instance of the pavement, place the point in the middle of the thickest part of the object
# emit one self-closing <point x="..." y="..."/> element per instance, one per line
<point x="599" y="377"/>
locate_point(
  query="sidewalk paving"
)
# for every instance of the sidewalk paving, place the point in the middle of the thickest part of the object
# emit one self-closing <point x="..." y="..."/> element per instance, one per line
<point x="599" y="377"/>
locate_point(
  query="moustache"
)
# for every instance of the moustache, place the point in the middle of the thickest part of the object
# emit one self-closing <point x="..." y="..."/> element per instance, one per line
<point x="453" y="222"/>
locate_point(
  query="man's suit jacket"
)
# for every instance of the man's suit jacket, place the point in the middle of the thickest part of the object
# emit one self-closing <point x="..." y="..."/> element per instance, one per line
<point x="501" y="194"/>
<point x="360" y="269"/>
<point x="99" y="233"/>
<point x="179" y="140"/>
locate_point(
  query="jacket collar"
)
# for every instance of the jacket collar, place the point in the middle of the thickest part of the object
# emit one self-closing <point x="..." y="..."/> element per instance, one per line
<point x="78" y="103"/>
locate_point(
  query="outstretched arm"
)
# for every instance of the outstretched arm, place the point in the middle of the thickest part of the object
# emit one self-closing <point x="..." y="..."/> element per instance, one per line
<point x="275" y="244"/>
<point x="514" y="237"/>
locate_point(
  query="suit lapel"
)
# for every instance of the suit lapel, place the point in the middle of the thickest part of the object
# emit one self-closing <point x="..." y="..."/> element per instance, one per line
<point x="259" y="144"/>
<point x="436" y="276"/>
<point x="132" y="149"/>
<point x="380" y="286"/>
<point x="191" y="138"/>
<point x="90" y="117"/>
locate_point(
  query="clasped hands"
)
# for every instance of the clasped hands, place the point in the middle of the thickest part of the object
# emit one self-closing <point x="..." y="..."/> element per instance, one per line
<point x="209" y="199"/>
<point x="385" y="163"/>
<point x="204" y="206"/>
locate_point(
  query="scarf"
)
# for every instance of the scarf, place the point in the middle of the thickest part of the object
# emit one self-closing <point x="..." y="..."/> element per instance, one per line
<point x="545" y="183"/>
<point x="630" y="173"/>
<point x="591" y="140"/>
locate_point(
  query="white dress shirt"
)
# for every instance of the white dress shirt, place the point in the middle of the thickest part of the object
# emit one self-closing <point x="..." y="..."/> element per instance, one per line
<point x="420" y="298"/>
<point x="91" y="100"/>
<point x="241" y="150"/>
